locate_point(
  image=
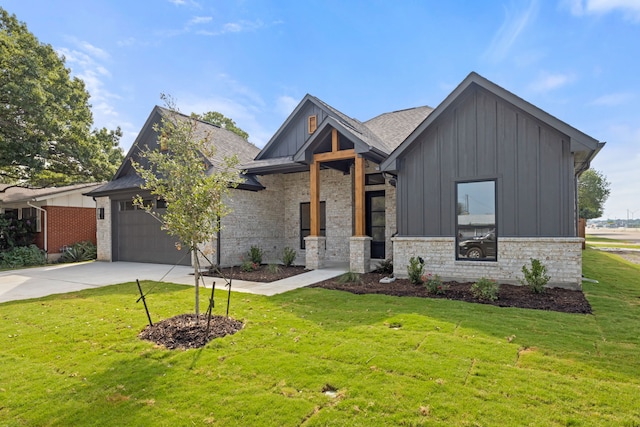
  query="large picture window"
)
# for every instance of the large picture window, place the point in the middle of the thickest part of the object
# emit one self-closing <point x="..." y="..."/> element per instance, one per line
<point x="476" y="221"/>
<point x="305" y="221"/>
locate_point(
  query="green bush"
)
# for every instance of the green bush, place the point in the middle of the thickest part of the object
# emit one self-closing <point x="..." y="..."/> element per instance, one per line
<point x="288" y="256"/>
<point x="81" y="251"/>
<point x="434" y="284"/>
<point x="349" y="277"/>
<point x="485" y="289"/>
<point x="248" y="266"/>
<point x="415" y="270"/>
<point x="255" y="255"/>
<point x="22" y="256"/>
<point x="385" y="266"/>
<point x="536" y="278"/>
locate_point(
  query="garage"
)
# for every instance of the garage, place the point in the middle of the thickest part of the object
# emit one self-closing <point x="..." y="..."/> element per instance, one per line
<point x="139" y="238"/>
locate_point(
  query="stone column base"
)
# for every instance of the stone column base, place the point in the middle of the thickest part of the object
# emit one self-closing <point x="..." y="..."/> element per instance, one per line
<point x="315" y="248"/>
<point x="360" y="254"/>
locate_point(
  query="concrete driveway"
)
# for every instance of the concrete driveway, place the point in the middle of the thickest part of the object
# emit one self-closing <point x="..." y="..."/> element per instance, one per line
<point x="62" y="278"/>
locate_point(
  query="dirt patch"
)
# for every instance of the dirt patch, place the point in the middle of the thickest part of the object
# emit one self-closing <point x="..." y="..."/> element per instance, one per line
<point x="553" y="299"/>
<point x="263" y="273"/>
<point x="187" y="331"/>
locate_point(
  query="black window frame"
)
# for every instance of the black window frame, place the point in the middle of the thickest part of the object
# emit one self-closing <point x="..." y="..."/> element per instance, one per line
<point x="305" y="231"/>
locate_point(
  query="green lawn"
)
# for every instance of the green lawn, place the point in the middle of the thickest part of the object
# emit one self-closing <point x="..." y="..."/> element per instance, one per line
<point x="610" y="243"/>
<point x="76" y="360"/>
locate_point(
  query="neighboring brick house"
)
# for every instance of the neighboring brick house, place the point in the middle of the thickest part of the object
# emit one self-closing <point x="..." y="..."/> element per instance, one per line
<point x="405" y="183"/>
<point x="63" y="215"/>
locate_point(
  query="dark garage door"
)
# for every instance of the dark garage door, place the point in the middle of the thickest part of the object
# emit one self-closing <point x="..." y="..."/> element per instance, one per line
<point x="140" y="239"/>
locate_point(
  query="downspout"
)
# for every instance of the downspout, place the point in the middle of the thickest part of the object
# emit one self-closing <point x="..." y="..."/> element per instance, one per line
<point x="44" y="227"/>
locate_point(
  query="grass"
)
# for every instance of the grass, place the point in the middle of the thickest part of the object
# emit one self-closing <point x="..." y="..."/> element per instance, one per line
<point x="76" y="360"/>
<point x="610" y="243"/>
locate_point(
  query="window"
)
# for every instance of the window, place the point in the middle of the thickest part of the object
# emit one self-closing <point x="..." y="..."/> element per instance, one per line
<point x="100" y="213"/>
<point x="32" y="216"/>
<point x="305" y="221"/>
<point x="373" y="179"/>
<point x="476" y="221"/>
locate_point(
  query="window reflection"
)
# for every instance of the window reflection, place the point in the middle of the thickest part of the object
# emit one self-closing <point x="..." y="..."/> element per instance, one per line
<point x="476" y="221"/>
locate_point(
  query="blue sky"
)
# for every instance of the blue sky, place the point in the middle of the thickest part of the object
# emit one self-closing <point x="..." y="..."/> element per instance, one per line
<point x="253" y="61"/>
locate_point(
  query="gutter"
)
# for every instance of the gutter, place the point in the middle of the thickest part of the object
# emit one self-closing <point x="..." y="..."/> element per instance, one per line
<point x="46" y="242"/>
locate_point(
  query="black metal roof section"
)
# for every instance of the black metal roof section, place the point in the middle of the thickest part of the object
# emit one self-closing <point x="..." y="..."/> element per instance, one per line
<point x="583" y="146"/>
<point x="226" y="144"/>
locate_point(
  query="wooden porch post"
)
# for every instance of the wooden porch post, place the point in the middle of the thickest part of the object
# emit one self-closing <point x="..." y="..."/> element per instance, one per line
<point x="359" y="196"/>
<point x="314" y="211"/>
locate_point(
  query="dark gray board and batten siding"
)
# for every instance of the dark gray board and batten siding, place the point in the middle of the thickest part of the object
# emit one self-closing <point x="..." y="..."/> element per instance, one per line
<point x="481" y="136"/>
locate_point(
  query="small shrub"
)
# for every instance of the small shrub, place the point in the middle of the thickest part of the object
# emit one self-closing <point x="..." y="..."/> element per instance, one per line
<point x="22" y="256"/>
<point x="273" y="268"/>
<point x="434" y="284"/>
<point x="349" y="277"/>
<point x="288" y="256"/>
<point x="81" y="251"/>
<point x="536" y="278"/>
<point x="385" y="266"/>
<point x="255" y="255"/>
<point x="415" y="270"/>
<point x="485" y="289"/>
<point x="248" y="266"/>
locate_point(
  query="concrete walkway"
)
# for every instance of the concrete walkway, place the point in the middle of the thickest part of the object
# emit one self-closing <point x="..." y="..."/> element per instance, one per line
<point x="62" y="278"/>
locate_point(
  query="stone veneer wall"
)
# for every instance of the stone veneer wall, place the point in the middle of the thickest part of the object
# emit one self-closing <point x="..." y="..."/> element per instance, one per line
<point x="103" y="230"/>
<point x="561" y="256"/>
<point x="256" y="218"/>
<point x="335" y="190"/>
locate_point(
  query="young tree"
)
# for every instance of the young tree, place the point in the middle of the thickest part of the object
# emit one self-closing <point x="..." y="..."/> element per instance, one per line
<point x="223" y="121"/>
<point x="593" y="192"/>
<point x="183" y="175"/>
<point x="45" y="119"/>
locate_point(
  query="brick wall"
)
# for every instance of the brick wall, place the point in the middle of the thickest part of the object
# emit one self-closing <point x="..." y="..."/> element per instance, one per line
<point x="561" y="256"/>
<point x="69" y="225"/>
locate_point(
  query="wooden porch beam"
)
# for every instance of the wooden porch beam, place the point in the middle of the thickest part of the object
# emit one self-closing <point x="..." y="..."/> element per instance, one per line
<point x="314" y="208"/>
<point x="334" y="155"/>
<point x="359" y="196"/>
<point x="335" y="143"/>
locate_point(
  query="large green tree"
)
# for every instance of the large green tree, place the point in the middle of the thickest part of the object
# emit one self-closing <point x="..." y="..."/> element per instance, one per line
<point x="593" y="192"/>
<point x="182" y="174"/>
<point x="45" y="116"/>
<point x="223" y="121"/>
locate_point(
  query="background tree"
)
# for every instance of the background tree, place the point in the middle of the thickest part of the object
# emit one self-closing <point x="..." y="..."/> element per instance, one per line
<point x="221" y="120"/>
<point x="593" y="192"/>
<point x="45" y="116"/>
<point x="183" y="176"/>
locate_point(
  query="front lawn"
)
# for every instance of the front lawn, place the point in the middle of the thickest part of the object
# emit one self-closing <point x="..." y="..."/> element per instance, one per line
<point x="318" y="357"/>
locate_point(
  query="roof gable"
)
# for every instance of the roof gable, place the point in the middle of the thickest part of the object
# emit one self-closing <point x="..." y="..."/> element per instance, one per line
<point x="582" y="145"/>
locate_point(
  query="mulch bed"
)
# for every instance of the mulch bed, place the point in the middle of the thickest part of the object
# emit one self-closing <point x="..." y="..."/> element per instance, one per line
<point x="553" y="299"/>
<point x="187" y="331"/>
<point x="261" y="274"/>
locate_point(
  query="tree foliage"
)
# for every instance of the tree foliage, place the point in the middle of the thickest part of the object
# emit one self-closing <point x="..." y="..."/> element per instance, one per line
<point x="221" y="120"/>
<point x="593" y="192"/>
<point x="45" y="119"/>
<point x="182" y="175"/>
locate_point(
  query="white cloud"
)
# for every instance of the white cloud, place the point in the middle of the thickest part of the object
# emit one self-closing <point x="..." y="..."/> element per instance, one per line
<point x="547" y="82"/>
<point x="513" y="25"/>
<point x="200" y="20"/>
<point x="630" y="8"/>
<point x="612" y="99"/>
<point x="286" y="104"/>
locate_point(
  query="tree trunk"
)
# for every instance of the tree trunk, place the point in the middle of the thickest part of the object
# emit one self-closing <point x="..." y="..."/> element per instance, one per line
<point x="196" y="275"/>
